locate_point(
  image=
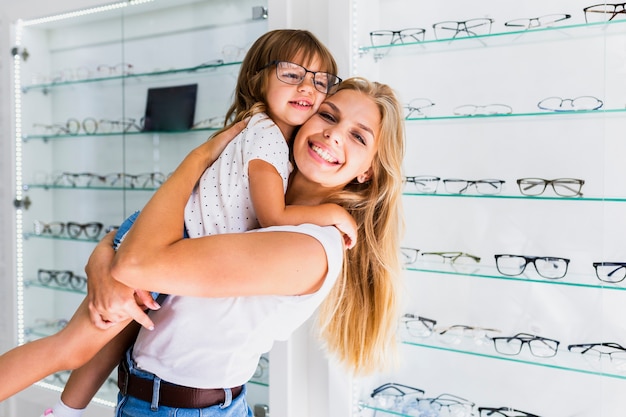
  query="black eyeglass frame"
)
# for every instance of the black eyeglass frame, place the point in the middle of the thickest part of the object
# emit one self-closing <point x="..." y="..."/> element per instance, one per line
<point x="538" y="182"/>
<point x="614" y="13"/>
<point x="527" y="338"/>
<point x="531" y="260"/>
<point x="330" y="88"/>
<point x="618" y="265"/>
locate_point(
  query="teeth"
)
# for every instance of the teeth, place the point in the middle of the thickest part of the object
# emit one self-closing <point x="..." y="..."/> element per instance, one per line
<point x="303" y="103"/>
<point x="323" y="154"/>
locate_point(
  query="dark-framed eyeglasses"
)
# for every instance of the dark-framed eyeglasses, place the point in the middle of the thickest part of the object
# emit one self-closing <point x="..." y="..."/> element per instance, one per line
<point x="392" y="396"/>
<point x="62" y="278"/>
<point x="418" y="326"/>
<point x="145" y="180"/>
<point x="52" y="228"/>
<point x="610" y="349"/>
<point x="537" y="22"/>
<point x="540" y="347"/>
<point x="445" y="404"/>
<point x="604" y="12"/>
<point x="426" y="184"/>
<point x="294" y="74"/>
<point x="487" y="186"/>
<point x="564" y="187"/>
<point x="503" y="412"/>
<point x="392" y="37"/>
<point x="78" y="179"/>
<point x="91" y="230"/>
<point x="549" y="267"/>
<point x="467" y="28"/>
<point x="415" y="108"/>
<point x="560" y="104"/>
<point x="612" y="272"/>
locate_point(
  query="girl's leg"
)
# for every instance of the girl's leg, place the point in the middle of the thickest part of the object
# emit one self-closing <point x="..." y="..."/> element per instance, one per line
<point x="70" y="348"/>
<point x="85" y="381"/>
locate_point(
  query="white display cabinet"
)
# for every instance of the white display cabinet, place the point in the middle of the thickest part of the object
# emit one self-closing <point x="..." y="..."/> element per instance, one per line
<point x="509" y="75"/>
<point x="84" y="160"/>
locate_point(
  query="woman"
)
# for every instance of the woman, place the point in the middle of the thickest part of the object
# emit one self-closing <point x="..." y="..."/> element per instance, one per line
<point x="350" y="153"/>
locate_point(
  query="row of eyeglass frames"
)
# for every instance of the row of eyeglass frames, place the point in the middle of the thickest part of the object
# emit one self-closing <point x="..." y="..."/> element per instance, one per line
<point x="420" y="327"/>
<point x="420" y="108"/>
<point x="93" y="126"/>
<point x="412" y="401"/>
<point x="482" y="26"/>
<point x="72" y="230"/>
<point x="510" y="265"/>
<point x="61" y="278"/>
<point x="146" y="180"/>
<point x="428" y="184"/>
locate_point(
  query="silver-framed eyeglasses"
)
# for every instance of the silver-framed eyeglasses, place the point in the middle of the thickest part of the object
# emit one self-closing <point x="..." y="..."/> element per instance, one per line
<point x="424" y="184"/>
<point x="393" y="37"/>
<point x="456" y="334"/>
<point x="408" y="255"/>
<point x="486" y="186"/>
<point x="294" y="74"/>
<point x="461" y="29"/>
<point x="483" y="110"/>
<point x="564" y="187"/>
<point x="560" y="104"/>
<point x="415" y="108"/>
<point x="537" y="22"/>
<point x="418" y="326"/>
<point x="503" y="412"/>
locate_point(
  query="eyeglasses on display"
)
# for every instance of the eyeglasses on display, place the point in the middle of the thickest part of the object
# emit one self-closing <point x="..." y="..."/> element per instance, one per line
<point x="537" y="22"/>
<point x="460" y="29"/>
<point x="74" y="230"/>
<point x="614" y="351"/>
<point x="119" y="125"/>
<point x="409" y="255"/>
<point x="451" y="257"/>
<point x="612" y="272"/>
<point x="105" y="70"/>
<point x="540" y="347"/>
<point x="443" y="405"/>
<point x="214" y="122"/>
<point x="426" y="184"/>
<point x="294" y="74"/>
<point x="549" y="267"/>
<point x="148" y="180"/>
<point x="459" y="333"/>
<point x="559" y="104"/>
<point x="393" y="396"/>
<point x="418" y="326"/>
<point x="503" y="412"/>
<point x="393" y="37"/>
<point x="483" y="186"/>
<point x="564" y="187"/>
<point x="62" y="278"/>
<point x="482" y="110"/>
<point x="416" y="108"/>
<point x="604" y="12"/>
<point x="145" y="180"/>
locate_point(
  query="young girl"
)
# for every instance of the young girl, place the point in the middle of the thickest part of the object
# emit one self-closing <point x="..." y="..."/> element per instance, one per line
<point x="283" y="80"/>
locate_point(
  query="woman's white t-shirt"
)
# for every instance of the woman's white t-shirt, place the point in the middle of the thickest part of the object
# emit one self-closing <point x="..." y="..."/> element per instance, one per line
<point x="216" y="342"/>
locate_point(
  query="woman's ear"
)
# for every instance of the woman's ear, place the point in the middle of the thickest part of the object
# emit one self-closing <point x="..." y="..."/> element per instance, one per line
<point x="365" y="177"/>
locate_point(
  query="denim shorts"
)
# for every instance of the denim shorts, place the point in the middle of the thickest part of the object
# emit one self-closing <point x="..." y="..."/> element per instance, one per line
<point x="128" y="406"/>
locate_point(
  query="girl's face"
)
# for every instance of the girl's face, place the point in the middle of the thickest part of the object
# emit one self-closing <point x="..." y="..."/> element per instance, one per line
<point x="338" y="144"/>
<point x="291" y="105"/>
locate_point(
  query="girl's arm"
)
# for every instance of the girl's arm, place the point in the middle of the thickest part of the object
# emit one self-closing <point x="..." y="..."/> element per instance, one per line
<point x="268" y="198"/>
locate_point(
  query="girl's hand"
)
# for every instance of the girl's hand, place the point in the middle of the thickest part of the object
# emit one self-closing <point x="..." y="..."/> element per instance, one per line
<point x="111" y="302"/>
<point x="215" y="145"/>
<point x="347" y="226"/>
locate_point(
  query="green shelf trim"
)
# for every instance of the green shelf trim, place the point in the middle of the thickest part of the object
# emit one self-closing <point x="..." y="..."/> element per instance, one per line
<point x="47" y="86"/>
<point x="518" y="360"/>
<point x="68" y="239"/>
<point x="67" y="187"/>
<point x="598" y="112"/>
<point x="599" y="26"/>
<point x="518" y="197"/>
<point x="562" y="281"/>
<point x="46" y="138"/>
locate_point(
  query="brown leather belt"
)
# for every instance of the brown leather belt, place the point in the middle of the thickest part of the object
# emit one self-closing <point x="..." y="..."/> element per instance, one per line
<point x="170" y="395"/>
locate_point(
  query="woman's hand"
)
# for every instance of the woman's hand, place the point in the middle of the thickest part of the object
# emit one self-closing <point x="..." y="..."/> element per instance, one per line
<point x="111" y="302"/>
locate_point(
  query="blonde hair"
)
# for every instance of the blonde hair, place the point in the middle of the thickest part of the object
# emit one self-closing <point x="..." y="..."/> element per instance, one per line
<point x="277" y="45"/>
<point x="358" y="319"/>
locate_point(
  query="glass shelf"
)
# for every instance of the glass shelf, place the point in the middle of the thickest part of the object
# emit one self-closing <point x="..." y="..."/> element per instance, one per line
<point x="46" y="138"/>
<point x="45" y="87"/>
<point x="599" y="112"/>
<point x="562" y="32"/>
<point x="37" y="284"/>
<point x="490" y="272"/>
<point x="518" y="197"/>
<point x="564" y="360"/>
<point x="67" y="187"/>
<point x="70" y="239"/>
